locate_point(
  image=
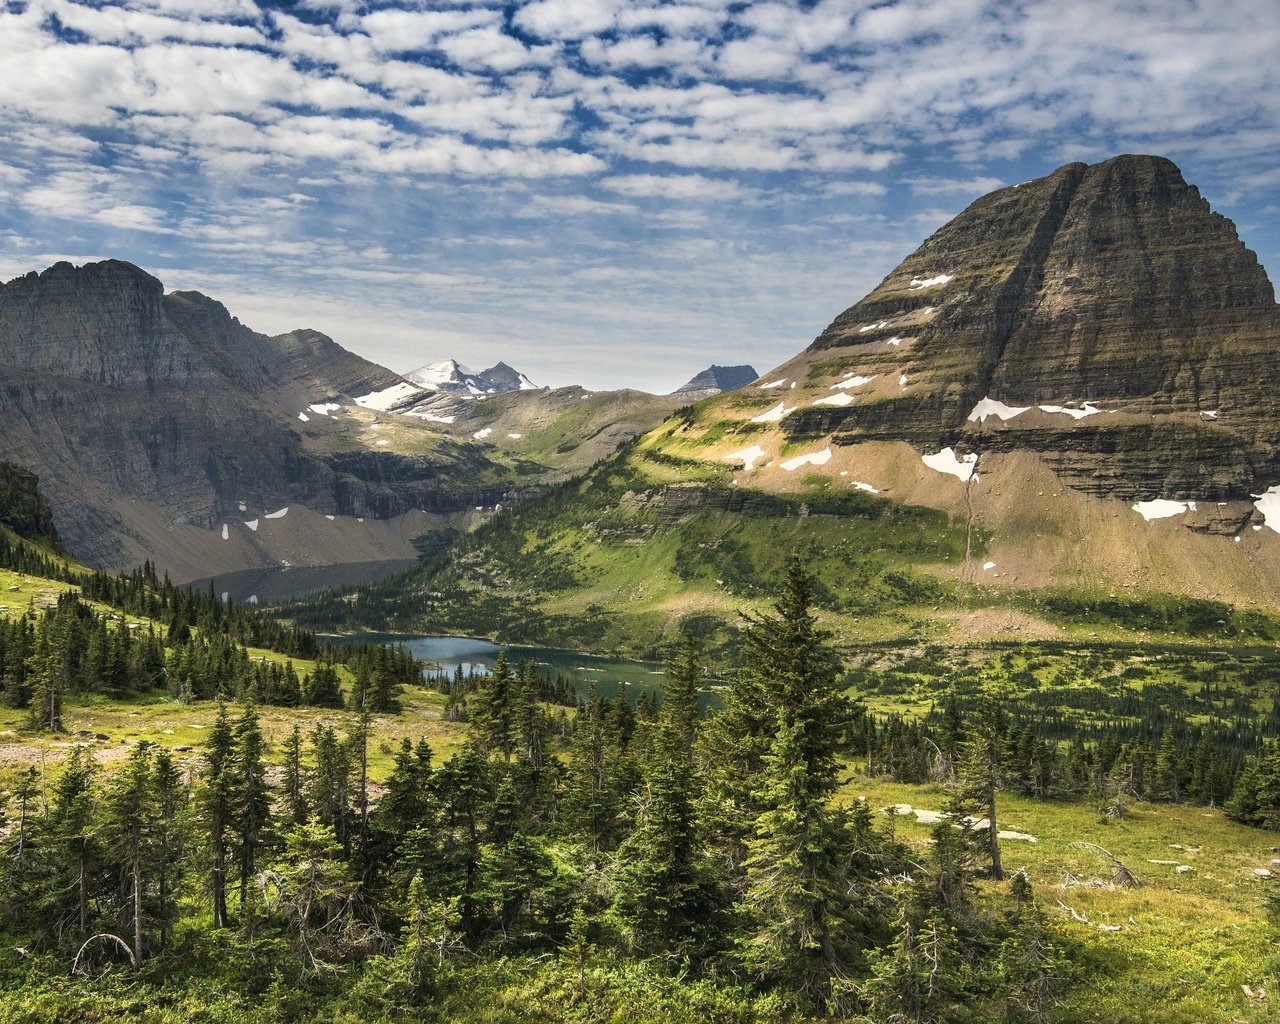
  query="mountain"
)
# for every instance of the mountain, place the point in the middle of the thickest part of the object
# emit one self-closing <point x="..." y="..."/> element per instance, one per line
<point x="162" y="428"/>
<point x="715" y="380"/>
<point x="454" y="378"/>
<point x="1060" y="409"/>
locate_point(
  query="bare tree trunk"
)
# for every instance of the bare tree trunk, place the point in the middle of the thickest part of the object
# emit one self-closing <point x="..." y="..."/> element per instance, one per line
<point x="993" y="835"/>
<point x="137" y="912"/>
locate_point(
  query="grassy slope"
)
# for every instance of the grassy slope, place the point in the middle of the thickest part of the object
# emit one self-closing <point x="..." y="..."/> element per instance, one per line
<point x="1186" y="942"/>
<point x="110" y="727"/>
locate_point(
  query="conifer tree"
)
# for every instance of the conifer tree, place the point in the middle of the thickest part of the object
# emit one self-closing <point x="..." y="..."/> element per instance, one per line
<point x="217" y="808"/>
<point x="250" y="797"/>
<point x="982" y="772"/>
<point x="76" y="845"/>
<point x="798" y="922"/>
<point x="294" y="783"/>
<point x="664" y="895"/>
<point x="129" y="816"/>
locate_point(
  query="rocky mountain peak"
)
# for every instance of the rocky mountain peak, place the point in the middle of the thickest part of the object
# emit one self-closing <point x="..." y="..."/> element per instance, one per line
<point x="715" y="380"/>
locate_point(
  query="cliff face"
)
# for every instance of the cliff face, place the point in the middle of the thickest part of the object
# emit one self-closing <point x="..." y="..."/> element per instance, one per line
<point x="142" y="412"/>
<point x="1113" y="285"/>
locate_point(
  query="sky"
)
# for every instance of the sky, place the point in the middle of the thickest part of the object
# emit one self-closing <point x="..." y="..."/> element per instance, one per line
<point x="597" y="192"/>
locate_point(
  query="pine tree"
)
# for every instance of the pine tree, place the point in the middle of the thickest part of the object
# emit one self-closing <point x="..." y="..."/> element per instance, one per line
<point x="664" y="893"/>
<point x="982" y="772"/>
<point x="799" y="924"/>
<point x="296" y="809"/>
<point x="217" y="809"/>
<point x="75" y="842"/>
<point x="489" y="710"/>
<point x="169" y="839"/>
<point x="129" y="816"/>
<point x="250" y="798"/>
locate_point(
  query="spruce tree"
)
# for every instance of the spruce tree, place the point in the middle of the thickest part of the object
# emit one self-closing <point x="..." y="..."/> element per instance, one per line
<point x="129" y="817"/>
<point x="216" y="803"/>
<point x="664" y="893"/>
<point x="250" y="797"/>
<point x="799" y="925"/>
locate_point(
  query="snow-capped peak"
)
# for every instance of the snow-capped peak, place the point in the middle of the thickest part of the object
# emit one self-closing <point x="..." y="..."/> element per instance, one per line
<point x="452" y="376"/>
<point x="434" y="376"/>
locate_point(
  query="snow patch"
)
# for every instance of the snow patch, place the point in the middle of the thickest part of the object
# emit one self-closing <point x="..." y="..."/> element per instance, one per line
<point x="1268" y="504"/>
<point x="324" y="408"/>
<point x="304" y="417"/>
<point x="481" y="434"/>
<point x="902" y="381"/>
<point x="226" y="532"/>
<point x="748" y="456"/>
<point x="895" y="341"/>
<point x="812" y="459"/>
<point x="1159" y="508"/>
<point x="1087" y="409"/>
<point x="383" y="442"/>
<point x="854" y="381"/>
<point x="774" y="414"/>
<point x="843" y="398"/>
<point x="515" y="437"/>
<point x="774" y="383"/>
<point x="1209" y="414"/>
<point x="988" y="566"/>
<point x="387" y="398"/>
<point x="330" y="518"/>
<point x="430" y="417"/>
<point x="242" y="506"/>
<point x="279" y="514"/>
<point x="991" y="407"/>
<point x="873" y="327"/>
<point x="918" y="283"/>
<point x="859" y="485"/>
<point x="253" y="525"/>
<point x="946" y="461"/>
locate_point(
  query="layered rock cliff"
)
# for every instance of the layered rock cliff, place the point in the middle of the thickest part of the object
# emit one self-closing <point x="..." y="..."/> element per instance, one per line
<point x="1107" y="318"/>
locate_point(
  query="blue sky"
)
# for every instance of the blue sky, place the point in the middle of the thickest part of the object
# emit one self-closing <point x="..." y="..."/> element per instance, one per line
<point x="598" y="192"/>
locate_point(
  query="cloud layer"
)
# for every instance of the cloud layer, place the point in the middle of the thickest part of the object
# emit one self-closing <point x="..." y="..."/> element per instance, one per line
<point x="675" y="182"/>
